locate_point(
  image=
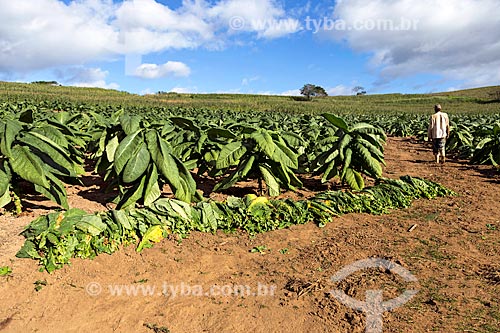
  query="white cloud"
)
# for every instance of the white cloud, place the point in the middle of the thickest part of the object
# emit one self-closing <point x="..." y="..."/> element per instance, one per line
<point x="146" y="91"/>
<point x="97" y="84"/>
<point x="185" y="90"/>
<point x="36" y="34"/>
<point x="264" y="92"/>
<point x="229" y="91"/>
<point x="279" y="28"/>
<point x="264" y="17"/>
<point x="148" y="26"/>
<point x="339" y="90"/>
<point x="170" y="68"/>
<point x="452" y="38"/>
<point x="194" y="90"/>
<point x="247" y="80"/>
<point x="85" y="77"/>
<point x="293" y="92"/>
<point x="42" y="34"/>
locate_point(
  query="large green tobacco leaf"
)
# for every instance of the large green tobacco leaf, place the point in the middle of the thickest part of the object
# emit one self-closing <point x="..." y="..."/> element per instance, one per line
<point x="4" y="182"/>
<point x="330" y="172"/>
<point x="154" y="143"/>
<point x="292" y="139"/>
<point x="111" y="148"/>
<point x="374" y="150"/>
<point x="58" y="158"/>
<point x="5" y="198"/>
<point x="91" y="224"/>
<point x="152" y="140"/>
<point x="174" y="171"/>
<point x="132" y="195"/>
<point x="363" y="128"/>
<point x="354" y="179"/>
<point x="188" y="183"/>
<point x="209" y="215"/>
<point x="166" y="164"/>
<point x="230" y="155"/>
<point x="331" y="156"/>
<point x="100" y="144"/>
<point x="371" y="164"/>
<point x="227" y="182"/>
<point x="239" y="174"/>
<point x="247" y="166"/>
<point x="10" y="130"/>
<point x="152" y="191"/>
<point x="288" y="179"/>
<point x="344" y="142"/>
<point x="283" y="155"/>
<point x="271" y="181"/>
<point x="137" y="164"/>
<point x="346" y="162"/>
<point x="54" y="134"/>
<point x="216" y="133"/>
<point x="28" y="166"/>
<point x="130" y="124"/>
<point x="185" y="123"/>
<point x="265" y="142"/>
<point x="55" y="192"/>
<point x="126" y="150"/>
<point x="336" y="121"/>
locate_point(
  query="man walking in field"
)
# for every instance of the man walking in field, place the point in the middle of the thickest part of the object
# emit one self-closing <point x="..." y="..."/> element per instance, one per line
<point x="439" y="130"/>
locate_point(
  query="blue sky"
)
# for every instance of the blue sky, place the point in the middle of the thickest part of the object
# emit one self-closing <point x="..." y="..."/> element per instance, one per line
<point x="260" y="46"/>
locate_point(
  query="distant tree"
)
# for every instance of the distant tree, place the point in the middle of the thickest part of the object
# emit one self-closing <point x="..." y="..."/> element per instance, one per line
<point x="50" y="83"/>
<point x="320" y="92"/>
<point x="359" y="90"/>
<point x="307" y="90"/>
<point x="311" y="90"/>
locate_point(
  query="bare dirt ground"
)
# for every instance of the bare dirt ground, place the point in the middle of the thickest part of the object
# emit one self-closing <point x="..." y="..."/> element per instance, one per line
<point x="453" y="251"/>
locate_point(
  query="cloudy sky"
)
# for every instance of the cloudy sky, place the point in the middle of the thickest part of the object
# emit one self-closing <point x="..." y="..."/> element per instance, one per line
<point x="259" y="46"/>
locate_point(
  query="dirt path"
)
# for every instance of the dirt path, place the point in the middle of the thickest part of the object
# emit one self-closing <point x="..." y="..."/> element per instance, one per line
<point x="454" y="253"/>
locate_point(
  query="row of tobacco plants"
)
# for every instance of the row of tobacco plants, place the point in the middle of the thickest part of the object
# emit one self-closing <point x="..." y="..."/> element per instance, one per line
<point x="138" y="155"/>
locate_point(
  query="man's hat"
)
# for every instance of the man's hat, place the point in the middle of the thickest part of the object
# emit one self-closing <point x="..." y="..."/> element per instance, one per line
<point x="437" y="107"/>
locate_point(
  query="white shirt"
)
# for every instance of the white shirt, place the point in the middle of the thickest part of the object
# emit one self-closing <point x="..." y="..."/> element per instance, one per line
<point x="438" y="126"/>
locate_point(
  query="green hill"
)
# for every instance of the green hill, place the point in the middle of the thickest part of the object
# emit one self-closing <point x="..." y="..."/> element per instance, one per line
<point x="479" y="100"/>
